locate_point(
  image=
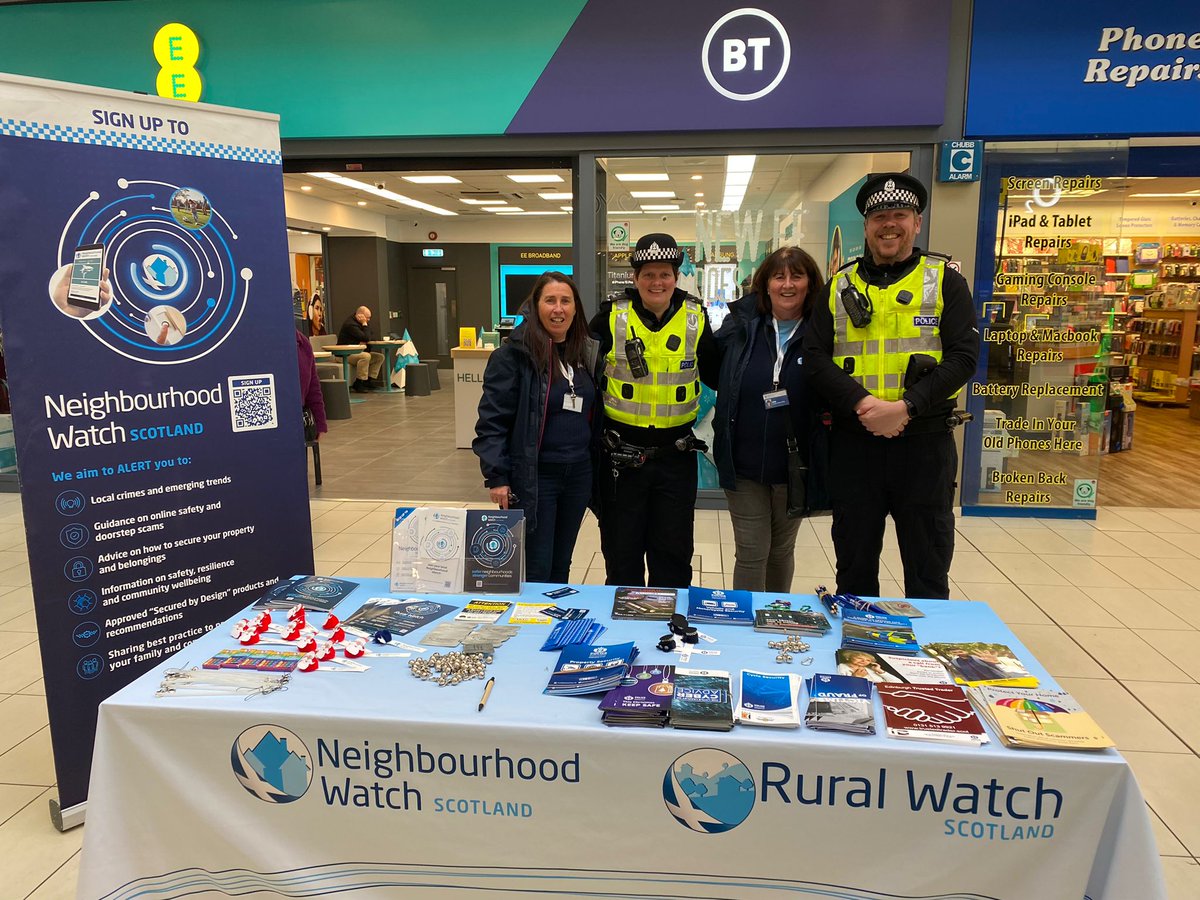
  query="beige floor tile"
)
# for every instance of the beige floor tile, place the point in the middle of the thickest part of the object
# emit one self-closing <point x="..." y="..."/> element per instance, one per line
<point x="1111" y="520"/>
<point x="1024" y="568"/>
<point x="1170" y="782"/>
<point x="1145" y="573"/>
<point x="32" y="849"/>
<point x="1167" y="843"/>
<point x="1183" y="878"/>
<point x="1083" y="570"/>
<point x="1100" y="543"/>
<point x="20" y="669"/>
<point x="1188" y="517"/>
<point x="1134" y="609"/>
<point x="328" y="569"/>
<point x="21" y="715"/>
<point x="1055" y="650"/>
<point x="36" y="689"/>
<point x="61" y="885"/>
<point x="375" y="522"/>
<point x="320" y="507"/>
<point x="807" y="583"/>
<point x="1177" y="646"/>
<point x="14" y="798"/>
<point x="1187" y="570"/>
<point x="1064" y="526"/>
<point x="594" y="576"/>
<point x="343" y="547"/>
<point x="380" y="550"/>
<point x="17" y="576"/>
<point x="1007" y="601"/>
<point x="1177" y="705"/>
<point x="1154" y="546"/>
<point x="1187" y="542"/>
<point x="29" y="762"/>
<point x="708" y="532"/>
<point x="712" y="580"/>
<point x="10" y="558"/>
<point x="1069" y="606"/>
<point x="1122" y="716"/>
<point x="17" y="602"/>
<point x="975" y="568"/>
<point x="1152" y="521"/>
<point x="1044" y="541"/>
<point x="359" y="569"/>
<point x="1185" y="604"/>
<point x="1125" y="655"/>
<point x="889" y="588"/>
<point x="988" y="539"/>
<point x="710" y="557"/>
<point x="25" y="624"/>
<point x="13" y="636"/>
<point x="342" y="518"/>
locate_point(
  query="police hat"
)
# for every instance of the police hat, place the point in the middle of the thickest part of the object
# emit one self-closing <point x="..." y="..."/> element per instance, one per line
<point x="891" y="190"/>
<point x="656" y="248"/>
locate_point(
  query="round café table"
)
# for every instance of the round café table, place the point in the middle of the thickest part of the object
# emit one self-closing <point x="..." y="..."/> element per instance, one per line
<point x="388" y="348"/>
<point x="345" y="351"/>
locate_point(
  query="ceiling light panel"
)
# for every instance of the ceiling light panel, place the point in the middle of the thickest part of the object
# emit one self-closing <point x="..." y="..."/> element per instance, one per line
<point x="431" y="179"/>
<point x="557" y="195"/>
<point x="643" y="176"/>
<point x="647" y="195"/>
<point x="535" y="179"/>
<point x="381" y="192"/>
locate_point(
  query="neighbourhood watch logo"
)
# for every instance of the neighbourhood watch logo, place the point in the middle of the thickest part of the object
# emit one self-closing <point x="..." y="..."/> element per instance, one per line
<point x="709" y="791"/>
<point x="746" y="54"/>
<point x="272" y="763"/>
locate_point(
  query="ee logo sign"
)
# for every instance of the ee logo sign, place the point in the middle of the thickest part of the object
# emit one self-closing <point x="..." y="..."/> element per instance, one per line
<point x="177" y="49"/>
<point x="746" y="54"/>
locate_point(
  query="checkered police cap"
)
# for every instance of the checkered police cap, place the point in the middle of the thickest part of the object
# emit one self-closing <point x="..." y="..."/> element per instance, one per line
<point x="656" y="248"/>
<point x="891" y="190"/>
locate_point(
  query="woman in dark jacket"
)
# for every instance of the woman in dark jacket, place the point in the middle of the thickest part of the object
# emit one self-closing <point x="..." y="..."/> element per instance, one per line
<point x="761" y="388"/>
<point x="534" y="434"/>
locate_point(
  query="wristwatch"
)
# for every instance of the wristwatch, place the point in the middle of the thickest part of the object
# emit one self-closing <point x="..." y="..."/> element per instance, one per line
<point x="912" y="410"/>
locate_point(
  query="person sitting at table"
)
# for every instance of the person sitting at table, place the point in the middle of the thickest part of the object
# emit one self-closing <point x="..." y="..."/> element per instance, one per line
<point x="537" y="420"/>
<point x="356" y="330"/>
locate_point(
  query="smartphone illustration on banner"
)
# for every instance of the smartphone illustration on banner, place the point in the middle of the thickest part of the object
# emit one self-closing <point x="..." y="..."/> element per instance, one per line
<point x="86" y="270"/>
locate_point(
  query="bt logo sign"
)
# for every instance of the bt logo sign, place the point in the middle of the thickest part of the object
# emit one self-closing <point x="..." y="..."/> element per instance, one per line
<point x="746" y="54"/>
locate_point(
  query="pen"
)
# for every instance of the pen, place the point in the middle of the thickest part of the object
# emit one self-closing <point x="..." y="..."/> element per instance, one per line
<point x="487" y="692"/>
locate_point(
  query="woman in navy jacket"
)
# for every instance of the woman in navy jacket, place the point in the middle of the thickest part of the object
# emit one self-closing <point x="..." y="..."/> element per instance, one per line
<point x="761" y="387"/>
<point x="537" y="418"/>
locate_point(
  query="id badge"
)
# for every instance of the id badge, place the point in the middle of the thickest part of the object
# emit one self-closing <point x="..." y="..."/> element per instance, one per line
<point x="572" y="403"/>
<point x="775" y="399"/>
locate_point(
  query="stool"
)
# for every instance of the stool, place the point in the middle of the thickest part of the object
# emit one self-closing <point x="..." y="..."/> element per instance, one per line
<point x="416" y="380"/>
<point x="316" y="449"/>
<point x="434" y="384"/>
<point x="337" y="399"/>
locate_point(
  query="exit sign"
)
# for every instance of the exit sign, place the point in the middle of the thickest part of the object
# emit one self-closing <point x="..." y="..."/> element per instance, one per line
<point x="433" y="252"/>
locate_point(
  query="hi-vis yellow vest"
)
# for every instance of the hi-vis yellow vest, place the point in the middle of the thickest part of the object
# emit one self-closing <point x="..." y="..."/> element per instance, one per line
<point x="670" y="394"/>
<point x="880" y="352"/>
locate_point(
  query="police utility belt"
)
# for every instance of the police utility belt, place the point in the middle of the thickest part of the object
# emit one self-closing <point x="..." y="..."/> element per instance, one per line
<point x="624" y="455"/>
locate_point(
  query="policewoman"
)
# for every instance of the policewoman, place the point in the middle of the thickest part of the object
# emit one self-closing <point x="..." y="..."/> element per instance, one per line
<point x="892" y="341"/>
<point x="657" y="348"/>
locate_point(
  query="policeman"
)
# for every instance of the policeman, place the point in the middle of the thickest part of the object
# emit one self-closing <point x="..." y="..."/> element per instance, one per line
<point x="657" y="348"/>
<point x="892" y="341"/>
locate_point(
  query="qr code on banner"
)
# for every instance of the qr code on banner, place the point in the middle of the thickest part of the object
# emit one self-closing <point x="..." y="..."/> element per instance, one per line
<point x="252" y="402"/>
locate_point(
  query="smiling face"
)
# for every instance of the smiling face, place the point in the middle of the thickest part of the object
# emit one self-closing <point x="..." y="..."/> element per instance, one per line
<point x="890" y="234"/>
<point x="787" y="291"/>
<point x="556" y="309"/>
<point x="656" y="283"/>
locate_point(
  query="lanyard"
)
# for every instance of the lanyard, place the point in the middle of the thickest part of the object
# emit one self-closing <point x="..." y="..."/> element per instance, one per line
<point x="778" y="368"/>
<point x="569" y="374"/>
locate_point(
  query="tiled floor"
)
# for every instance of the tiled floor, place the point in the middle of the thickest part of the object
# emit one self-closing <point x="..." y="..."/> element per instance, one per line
<point x="1112" y="608"/>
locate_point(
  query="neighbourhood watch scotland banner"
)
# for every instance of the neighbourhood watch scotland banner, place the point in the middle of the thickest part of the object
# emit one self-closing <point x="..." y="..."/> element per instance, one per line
<point x="149" y="347"/>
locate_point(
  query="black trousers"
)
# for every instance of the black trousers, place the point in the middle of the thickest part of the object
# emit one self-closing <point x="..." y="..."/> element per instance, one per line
<point x="910" y="477"/>
<point x="646" y="521"/>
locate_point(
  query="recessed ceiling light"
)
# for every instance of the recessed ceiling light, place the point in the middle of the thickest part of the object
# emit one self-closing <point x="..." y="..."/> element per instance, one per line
<point x="700" y="203"/>
<point x="475" y="202"/>
<point x="651" y="194"/>
<point x="381" y="192"/>
<point x="557" y="195"/>
<point x="700" y="194"/>
<point x="501" y="209"/>
<point x="659" y="207"/>
<point x="567" y="208"/>
<point x="534" y="179"/>
<point x="697" y="177"/>
<point x="643" y="176"/>
<point x="362" y="202"/>
<point x="326" y="228"/>
<point x="529" y="212"/>
<point x="431" y="179"/>
<point x="306" y="187"/>
<point x="306" y="232"/>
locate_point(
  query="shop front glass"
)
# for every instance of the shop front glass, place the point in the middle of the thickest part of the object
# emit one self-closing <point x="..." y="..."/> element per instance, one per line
<point x="1063" y="287"/>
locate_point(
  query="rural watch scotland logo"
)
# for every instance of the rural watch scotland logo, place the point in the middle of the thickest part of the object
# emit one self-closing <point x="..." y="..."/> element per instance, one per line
<point x="709" y="791"/>
<point x="272" y="763"/>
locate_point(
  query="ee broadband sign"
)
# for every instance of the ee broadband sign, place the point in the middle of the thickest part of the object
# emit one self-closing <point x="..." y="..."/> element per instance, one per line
<point x="746" y="54"/>
<point x="961" y="161"/>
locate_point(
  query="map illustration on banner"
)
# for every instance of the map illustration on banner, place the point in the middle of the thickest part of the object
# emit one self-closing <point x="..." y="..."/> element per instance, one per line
<point x="150" y="354"/>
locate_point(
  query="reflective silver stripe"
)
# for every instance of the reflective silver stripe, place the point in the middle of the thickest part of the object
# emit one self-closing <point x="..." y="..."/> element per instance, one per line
<point x="891" y="345"/>
<point x="629" y="407"/>
<point x="891" y="380"/>
<point x="621" y="332"/>
<point x="840" y="319"/>
<point x="849" y="348"/>
<point x="694" y="311"/>
<point x="870" y="382"/>
<point x="679" y="409"/>
<point x="619" y="370"/>
<point x="914" y="344"/>
<point x="929" y="293"/>
<point x="685" y="377"/>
